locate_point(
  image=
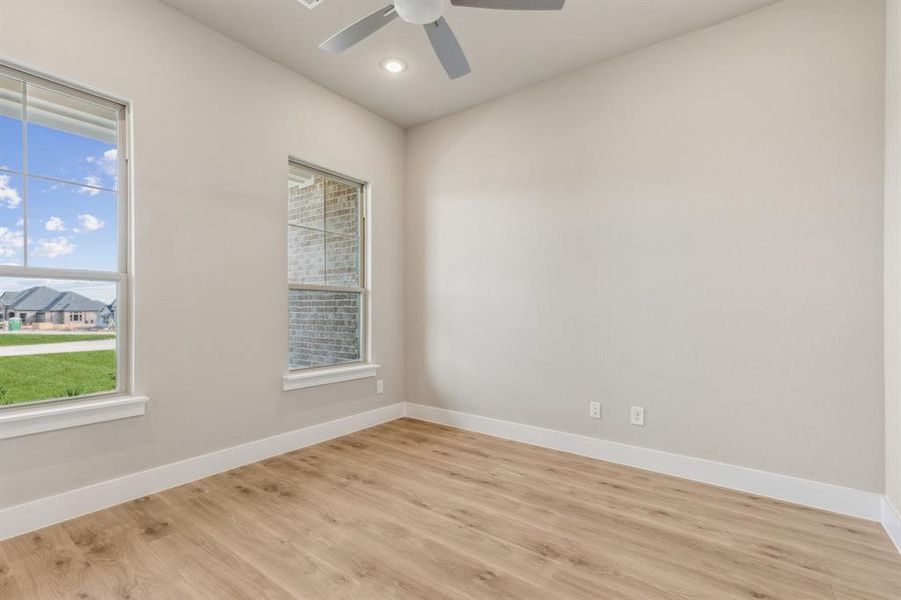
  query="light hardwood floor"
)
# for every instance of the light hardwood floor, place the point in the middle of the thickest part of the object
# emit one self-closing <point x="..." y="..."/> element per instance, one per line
<point x="414" y="510"/>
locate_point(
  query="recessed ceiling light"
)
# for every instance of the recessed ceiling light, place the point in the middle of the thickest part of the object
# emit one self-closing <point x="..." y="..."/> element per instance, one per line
<point x="394" y="65"/>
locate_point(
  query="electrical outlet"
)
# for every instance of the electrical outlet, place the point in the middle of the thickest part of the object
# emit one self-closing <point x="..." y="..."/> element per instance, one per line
<point x="637" y="416"/>
<point x="379" y="386"/>
<point x="594" y="410"/>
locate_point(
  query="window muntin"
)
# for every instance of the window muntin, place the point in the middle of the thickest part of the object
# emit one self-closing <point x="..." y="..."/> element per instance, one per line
<point x="326" y="278"/>
<point x="63" y="216"/>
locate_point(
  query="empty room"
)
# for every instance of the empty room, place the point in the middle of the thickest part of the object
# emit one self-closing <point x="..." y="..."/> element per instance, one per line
<point x="450" y="299"/>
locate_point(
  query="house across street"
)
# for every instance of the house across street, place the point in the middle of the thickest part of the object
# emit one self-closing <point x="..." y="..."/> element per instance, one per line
<point x="43" y="308"/>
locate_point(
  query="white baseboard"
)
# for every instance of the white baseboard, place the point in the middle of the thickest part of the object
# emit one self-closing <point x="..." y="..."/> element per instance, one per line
<point x="856" y="503"/>
<point x="891" y="521"/>
<point x="22" y="518"/>
<point x="36" y="514"/>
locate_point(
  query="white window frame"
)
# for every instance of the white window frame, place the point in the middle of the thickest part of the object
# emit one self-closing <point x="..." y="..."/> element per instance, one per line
<point x="58" y="413"/>
<point x="314" y="376"/>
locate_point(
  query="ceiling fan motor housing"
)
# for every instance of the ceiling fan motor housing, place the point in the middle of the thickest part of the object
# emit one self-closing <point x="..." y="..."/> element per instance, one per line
<point x="420" y="12"/>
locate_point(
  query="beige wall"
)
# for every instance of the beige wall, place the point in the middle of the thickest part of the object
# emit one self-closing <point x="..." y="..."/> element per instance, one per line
<point x="214" y="125"/>
<point x="893" y="254"/>
<point x="695" y="228"/>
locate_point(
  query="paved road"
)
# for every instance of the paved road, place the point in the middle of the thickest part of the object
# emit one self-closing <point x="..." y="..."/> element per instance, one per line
<point x="54" y="348"/>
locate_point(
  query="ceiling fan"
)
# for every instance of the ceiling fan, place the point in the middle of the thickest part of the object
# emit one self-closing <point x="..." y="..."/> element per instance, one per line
<point x="428" y="13"/>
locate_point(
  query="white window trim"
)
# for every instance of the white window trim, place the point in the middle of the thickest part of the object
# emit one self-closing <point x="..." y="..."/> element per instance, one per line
<point x="297" y="380"/>
<point x="25" y="420"/>
<point x="50" y="415"/>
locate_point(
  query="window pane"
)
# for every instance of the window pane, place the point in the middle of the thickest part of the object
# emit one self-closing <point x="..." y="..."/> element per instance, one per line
<point x="57" y="339"/>
<point x="342" y="208"/>
<point x="323" y="249"/>
<point x="342" y="260"/>
<point x="306" y="255"/>
<point x="10" y="124"/>
<point x="305" y="198"/>
<point x="71" y="139"/>
<point x="324" y="328"/>
<point x="71" y="226"/>
<point x="12" y="212"/>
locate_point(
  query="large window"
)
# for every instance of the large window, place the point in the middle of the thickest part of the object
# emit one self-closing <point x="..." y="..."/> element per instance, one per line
<point x="326" y="289"/>
<point x="63" y="228"/>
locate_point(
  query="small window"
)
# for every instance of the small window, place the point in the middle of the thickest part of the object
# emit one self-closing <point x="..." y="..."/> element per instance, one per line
<point x="326" y="284"/>
<point x="63" y="239"/>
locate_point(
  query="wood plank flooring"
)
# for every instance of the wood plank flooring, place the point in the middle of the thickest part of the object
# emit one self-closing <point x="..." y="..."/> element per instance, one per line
<point x="412" y="510"/>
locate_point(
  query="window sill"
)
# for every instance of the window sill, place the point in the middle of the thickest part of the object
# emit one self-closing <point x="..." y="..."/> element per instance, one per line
<point x="15" y="422"/>
<point x="305" y="379"/>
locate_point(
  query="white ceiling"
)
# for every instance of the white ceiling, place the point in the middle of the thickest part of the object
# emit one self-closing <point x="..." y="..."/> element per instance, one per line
<point x="508" y="50"/>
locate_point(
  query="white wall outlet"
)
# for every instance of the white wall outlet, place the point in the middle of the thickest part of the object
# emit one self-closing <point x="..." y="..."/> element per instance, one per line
<point x="636" y="416"/>
<point x="379" y="386"/>
<point x="594" y="410"/>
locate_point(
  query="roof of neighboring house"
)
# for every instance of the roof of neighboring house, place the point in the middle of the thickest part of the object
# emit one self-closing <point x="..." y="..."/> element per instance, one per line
<point x="6" y="298"/>
<point x="47" y="299"/>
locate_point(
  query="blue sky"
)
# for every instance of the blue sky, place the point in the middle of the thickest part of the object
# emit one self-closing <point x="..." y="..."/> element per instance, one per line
<point x="70" y="225"/>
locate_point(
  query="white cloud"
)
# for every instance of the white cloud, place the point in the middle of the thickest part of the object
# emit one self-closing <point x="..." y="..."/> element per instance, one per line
<point x="108" y="164"/>
<point x="90" y="222"/>
<point x="54" y="224"/>
<point x="91" y="180"/>
<point x="8" y="195"/>
<point x="20" y="223"/>
<point x="58" y="246"/>
<point x="11" y="242"/>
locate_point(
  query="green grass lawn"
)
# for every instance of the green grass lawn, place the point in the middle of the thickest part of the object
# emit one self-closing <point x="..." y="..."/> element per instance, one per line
<point x="25" y="339"/>
<point x="46" y="376"/>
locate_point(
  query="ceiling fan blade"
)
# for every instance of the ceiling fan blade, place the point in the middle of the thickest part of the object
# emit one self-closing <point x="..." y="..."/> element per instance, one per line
<point x="359" y="31"/>
<point x="447" y="48"/>
<point x="512" y="4"/>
